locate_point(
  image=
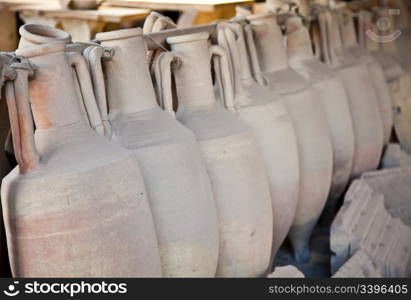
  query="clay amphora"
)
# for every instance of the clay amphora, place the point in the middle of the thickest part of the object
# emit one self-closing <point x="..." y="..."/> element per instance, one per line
<point x="230" y="150"/>
<point x="331" y="91"/>
<point x="365" y="113"/>
<point x="265" y="111"/>
<point x="385" y="50"/>
<point x="353" y="51"/>
<point x="400" y="27"/>
<point x="310" y="123"/>
<point x="76" y="205"/>
<point x="6" y="73"/>
<point x="178" y="186"/>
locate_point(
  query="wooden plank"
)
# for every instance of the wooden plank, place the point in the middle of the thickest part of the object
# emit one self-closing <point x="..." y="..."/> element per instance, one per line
<point x="180" y="5"/>
<point x="8" y="30"/>
<point x="13" y="3"/>
<point x="104" y="14"/>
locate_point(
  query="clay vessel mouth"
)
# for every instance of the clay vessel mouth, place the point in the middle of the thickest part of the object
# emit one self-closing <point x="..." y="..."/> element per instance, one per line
<point x="186" y="38"/>
<point x="119" y="34"/>
<point x="42" y="49"/>
<point x="41" y="34"/>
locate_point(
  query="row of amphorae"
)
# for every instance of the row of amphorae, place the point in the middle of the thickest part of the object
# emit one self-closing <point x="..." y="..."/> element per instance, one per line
<point x="196" y="161"/>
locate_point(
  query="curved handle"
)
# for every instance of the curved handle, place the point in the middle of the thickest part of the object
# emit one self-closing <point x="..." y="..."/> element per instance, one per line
<point x="228" y="88"/>
<point x="162" y="72"/>
<point x="223" y="42"/>
<point x="324" y="37"/>
<point x="316" y="39"/>
<point x="21" y="121"/>
<point x="252" y="49"/>
<point x="77" y="61"/>
<point x="149" y="22"/>
<point x="161" y="23"/>
<point x="94" y="56"/>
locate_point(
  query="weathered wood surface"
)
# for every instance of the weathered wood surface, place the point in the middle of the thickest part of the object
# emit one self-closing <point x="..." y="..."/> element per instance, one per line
<point x="195" y="12"/>
<point x="182" y="5"/>
<point x="81" y="24"/>
<point x="8" y="22"/>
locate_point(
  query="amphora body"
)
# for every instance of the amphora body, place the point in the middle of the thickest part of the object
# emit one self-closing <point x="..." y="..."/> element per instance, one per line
<point x="354" y="53"/>
<point x="310" y="123"/>
<point x="76" y="206"/>
<point x="176" y="179"/>
<point x="384" y="49"/>
<point x="6" y="73"/>
<point x="333" y="97"/>
<point x="266" y="112"/>
<point x="365" y="112"/>
<point x="229" y="148"/>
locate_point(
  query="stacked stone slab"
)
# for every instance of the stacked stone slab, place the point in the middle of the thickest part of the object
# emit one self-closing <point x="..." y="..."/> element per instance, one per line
<point x="395" y="185"/>
<point x="375" y="219"/>
<point x="395" y="156"/>
<point x="360" y="265"/>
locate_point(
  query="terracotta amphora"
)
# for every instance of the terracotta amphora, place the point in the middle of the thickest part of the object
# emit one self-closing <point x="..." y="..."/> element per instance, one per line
<point x="383" y="47"/>
<point x="178" y="186"/>
<point x="353" y="52"/>
<point x="6" y="73"/>
<point x="310" y="123"/>
<point x="365" y="112"/>
<point x="398" y="25"/>
<point x="266" y="112"/>
<point x="229" y="147"/>
<point x="334" y="102"/>
<point x="76" y="206"/>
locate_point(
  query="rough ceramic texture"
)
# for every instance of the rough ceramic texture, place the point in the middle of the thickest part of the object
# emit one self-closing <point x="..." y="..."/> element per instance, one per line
<point x="354" y="52"/>
<point x="400" y="84"/>
<point x="176" y="179"/>
<point x="402" y="23"/>
<point x="36" y="34"/>
<point x="398" y="80"/>
<point x="394" y="156"/>
<point x="233" y="161"/>
<point x="310" y="123"/>
<point x="365" y="222"/>
<point x="6" y="73"/>
<point x="359" y="265"/>
<point x="4" y="169"/>
<point x="286" y="272"/>
<point x="334" y="101"/>
<point x="266" y="113"/>
<point x="365" y="113"/>
<point x="76" y="206"/>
